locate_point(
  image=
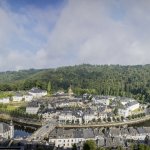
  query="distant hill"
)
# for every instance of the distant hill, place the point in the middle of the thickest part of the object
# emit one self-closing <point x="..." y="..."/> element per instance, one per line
<point x="131" y="81"/>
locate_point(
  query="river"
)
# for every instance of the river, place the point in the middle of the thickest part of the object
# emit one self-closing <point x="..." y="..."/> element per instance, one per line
<point x="22" y="131"/>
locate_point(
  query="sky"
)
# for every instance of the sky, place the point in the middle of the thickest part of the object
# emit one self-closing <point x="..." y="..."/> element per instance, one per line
<point x="53" y="33"/>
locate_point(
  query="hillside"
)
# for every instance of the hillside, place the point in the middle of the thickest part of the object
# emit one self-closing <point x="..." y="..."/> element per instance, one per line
<point x="131" y="81"/>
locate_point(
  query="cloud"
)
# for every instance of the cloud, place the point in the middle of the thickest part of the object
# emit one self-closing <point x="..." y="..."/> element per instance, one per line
<point x="97" y="32"/>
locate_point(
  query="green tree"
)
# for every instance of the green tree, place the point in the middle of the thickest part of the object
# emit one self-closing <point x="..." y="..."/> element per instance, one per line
<point x="74" y="147"/>
<point x="49" y="87"/>
<point x="89" y="145"/>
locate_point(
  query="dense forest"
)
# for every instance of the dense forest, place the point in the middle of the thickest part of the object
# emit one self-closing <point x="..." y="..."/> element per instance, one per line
<point x="130" y="81"/>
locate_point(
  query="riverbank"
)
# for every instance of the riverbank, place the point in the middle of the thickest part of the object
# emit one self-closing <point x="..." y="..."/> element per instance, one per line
<point x="21" y="121"/>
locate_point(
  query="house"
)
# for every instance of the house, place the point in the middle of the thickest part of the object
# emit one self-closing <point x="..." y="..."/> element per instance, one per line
<point x="6" y="130"/>
<point x="128" y="108"/>
<point x="32" y="108"/>
<point x="101" y="100"/>
<point x="5" y="100"/>
<point x="87" y="117"/>
<point x="124" y="112"/>
<point x="37" y="93"/>
<point x="27" y="97"/>
<point x="66" y="138"/>
<point x="17" y="97"/>
<point x="69" y="117"/>
<point x="133" y="105"/>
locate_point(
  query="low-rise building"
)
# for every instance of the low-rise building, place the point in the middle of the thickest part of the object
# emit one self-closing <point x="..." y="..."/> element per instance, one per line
<point x="27" y="97"/>
<point x="69" y="117"/>
<point x="5" y="100"/>
<point x="37" y="93"/>
<point x="32" y="108"/>
<point x="17" y="97"/>
<point x="6" y="130"/>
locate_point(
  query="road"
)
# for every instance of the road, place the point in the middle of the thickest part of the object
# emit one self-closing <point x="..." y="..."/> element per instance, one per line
<point x="43" y="132"/>
<point x="112" y="124"/>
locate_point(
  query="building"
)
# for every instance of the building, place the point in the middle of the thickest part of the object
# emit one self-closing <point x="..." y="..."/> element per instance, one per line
<point x="124" y="112"/>
<point x="87" y="117"/>
<point x="33" y="108"/>
<point x="66" y="138"/>
<point x="101" y="100"/>
<point x="69" y="117"/>
<point x="133" y="105"/>
<point x="37" y="93"/>
<point x="128" y="108"/>
<point x="17" y="97"/>
<point x="27" y="97"/>
<point x="6" y="130"/>
<point x="5" y="100"/>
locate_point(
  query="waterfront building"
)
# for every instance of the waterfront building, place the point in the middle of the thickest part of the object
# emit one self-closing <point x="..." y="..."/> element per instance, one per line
<point x="33" y="108"/>
<point x="6" y="130"/>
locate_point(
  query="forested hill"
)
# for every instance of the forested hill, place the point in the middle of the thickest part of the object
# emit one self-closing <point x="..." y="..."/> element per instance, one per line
<point x="131" y="81"/>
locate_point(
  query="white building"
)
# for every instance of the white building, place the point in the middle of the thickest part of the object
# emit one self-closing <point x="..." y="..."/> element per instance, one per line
<point x="87" y="117"/>
<point x="6" y="131"/>
<point x="64" y="117"/>
<point x="17" y="98"/>
<point x="124" y="112"/>
<point x="66" y="138"/>
<point x="37" y="93"/>
<point x="128" y="108"/>
<point x="33" y="108"/>
<point x="5" y="100"/>
<point x="27" y="97"/>
<point x="133" y="105"/>
<point x="104" y="101"/>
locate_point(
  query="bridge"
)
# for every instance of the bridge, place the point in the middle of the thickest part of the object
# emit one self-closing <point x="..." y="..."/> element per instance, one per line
<point x="43" y="132"/>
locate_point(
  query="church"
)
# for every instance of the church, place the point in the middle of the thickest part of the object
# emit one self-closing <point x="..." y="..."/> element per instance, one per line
<point x="6" y="130"/>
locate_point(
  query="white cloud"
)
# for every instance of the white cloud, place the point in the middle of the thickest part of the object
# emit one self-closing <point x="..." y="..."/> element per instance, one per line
<point x="82" y="32"/>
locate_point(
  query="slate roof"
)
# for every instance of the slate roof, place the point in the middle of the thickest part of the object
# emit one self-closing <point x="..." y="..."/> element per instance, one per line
<point x="4" y="127"/>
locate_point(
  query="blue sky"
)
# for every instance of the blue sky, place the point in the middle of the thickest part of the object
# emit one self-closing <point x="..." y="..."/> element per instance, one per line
<point x="53" y="33"/>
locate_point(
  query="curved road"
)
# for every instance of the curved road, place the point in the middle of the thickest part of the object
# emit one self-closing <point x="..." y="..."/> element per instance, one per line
<point x="114" y="124"/>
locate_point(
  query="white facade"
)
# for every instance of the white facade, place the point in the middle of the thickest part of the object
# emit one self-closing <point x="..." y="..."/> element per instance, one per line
<point x="89" y="117"/>
<point x="32" y="110"/>
<point x="6" y="131"/>
<point x="124" y="112"/>
<point x="37" y="93"/>
<point x="28" y="98"/>
<point x="103" y="101"/>
<point x="69" y="117"/>
<point x="133" y="107"/>
<point x="66" y="142"/>
<point x="5" y="100"/>
<point x="17" y="98"/>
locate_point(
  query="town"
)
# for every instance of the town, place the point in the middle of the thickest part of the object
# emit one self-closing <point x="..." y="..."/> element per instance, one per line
<point x="67" y="119"/>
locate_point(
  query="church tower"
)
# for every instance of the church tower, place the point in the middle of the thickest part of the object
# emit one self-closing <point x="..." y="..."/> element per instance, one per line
<point x="11" y="129"/>
<point x="70" y="92"/>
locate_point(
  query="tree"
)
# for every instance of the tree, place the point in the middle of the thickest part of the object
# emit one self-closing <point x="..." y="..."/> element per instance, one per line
<point x="109" y="119"/>
<point x="116" y="111"/>
<point x="122" y="118"/>
<point x="74" y="147"/>
<point x="89" y="145"/>
<point x="49" y="87"/>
